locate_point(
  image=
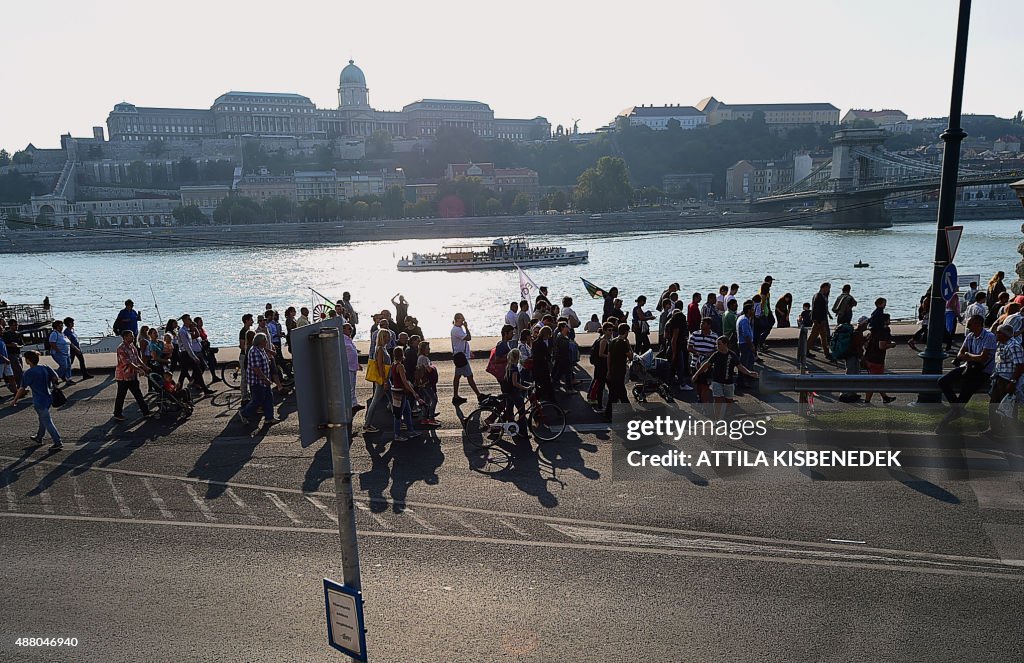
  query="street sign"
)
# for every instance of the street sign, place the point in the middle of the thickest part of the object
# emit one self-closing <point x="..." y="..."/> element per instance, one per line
<point x="949" y="281"/>
<point x="311" y="405"/>
<point x="345" y="630"/>
<point x="953" y="235"/>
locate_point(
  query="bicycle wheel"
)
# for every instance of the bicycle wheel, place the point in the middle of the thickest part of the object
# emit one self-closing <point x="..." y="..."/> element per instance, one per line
<point x="482" y="428"/>
<point x="547" y="421"/>
<point x="231" y="374"/>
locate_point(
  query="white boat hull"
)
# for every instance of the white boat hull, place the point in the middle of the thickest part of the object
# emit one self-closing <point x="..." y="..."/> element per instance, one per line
<point x="570" y="258"/>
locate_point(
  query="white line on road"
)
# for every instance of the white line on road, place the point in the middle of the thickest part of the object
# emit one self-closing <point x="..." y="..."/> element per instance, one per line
<point x="284" y="508"/>
<point x="323" y="507"/>
<point x="159" y="501"/>
<point x="12" y="502"/>
<point x="83" y="508"/>
<point x="543" y="518"/>
<point x="419" y="519"/>
<point x="241" y="505"/>
<point x="376" y="516"/>
<point x="121" y="506"/>
<point x="204" y="508"/>
<point x="993" y="568"/>
<point x="512" y="527"/>
<point x="465" y="524"/>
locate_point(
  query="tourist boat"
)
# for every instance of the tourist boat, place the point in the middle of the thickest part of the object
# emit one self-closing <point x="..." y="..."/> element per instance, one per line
<point x="35" y="321"/>
<point x="502" y="253"/>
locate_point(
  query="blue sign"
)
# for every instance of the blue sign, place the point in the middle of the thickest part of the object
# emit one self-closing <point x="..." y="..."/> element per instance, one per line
<point x="949" y="281"/>
<point x="345" y="630"/>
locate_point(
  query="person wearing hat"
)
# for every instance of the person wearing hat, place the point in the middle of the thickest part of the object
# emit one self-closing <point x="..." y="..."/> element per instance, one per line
<point x="1009" y="367"/>
<point x="76" y="346"/>
<point x="854" y="356"/>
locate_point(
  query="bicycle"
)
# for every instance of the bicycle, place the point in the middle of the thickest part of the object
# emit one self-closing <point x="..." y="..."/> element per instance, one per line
<point x="488" y="425"/>
<point x="231" y="374"/>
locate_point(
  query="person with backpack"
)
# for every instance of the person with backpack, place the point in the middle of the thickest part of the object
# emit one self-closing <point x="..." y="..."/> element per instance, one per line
<point x="599" y="360"/>
<point x="848" y="345"/>
<point x="878" y="342"/>
<point x="843" y="306"/>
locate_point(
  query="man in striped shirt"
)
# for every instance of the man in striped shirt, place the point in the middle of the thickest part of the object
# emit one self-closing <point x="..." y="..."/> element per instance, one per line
<point x="260" y="382"/>
<point x="701" y="346"/>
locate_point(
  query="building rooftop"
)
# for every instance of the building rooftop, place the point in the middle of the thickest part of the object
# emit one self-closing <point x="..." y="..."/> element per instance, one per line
<point x="275" y="95"/>
<point x="660" y="111"/>
<point x="780" y="107"/>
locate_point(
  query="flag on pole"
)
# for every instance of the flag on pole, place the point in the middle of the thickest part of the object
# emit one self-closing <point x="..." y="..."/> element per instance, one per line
<point x="321" y="305"/>
<point x="526" y="284"/>
<point x="593" y="290"/>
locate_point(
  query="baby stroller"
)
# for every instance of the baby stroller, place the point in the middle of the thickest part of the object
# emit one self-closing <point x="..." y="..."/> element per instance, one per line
<point x="651" y="374"/>
<point x="179" y="401"/>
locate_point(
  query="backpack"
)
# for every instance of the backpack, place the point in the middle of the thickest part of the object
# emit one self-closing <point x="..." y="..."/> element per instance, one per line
<point x="842" y="341"/>
<point x="595" y="352"/>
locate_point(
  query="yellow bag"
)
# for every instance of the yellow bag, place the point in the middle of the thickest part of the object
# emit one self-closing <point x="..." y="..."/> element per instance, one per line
<point x="373" y="375"/>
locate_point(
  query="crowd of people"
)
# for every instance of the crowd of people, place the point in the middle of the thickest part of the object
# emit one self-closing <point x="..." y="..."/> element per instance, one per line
<point x="710" y="343"/>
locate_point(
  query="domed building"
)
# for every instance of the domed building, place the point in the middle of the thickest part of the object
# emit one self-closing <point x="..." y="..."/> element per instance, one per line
<point x="287" y="114"/>
<point x="352" y="90"/>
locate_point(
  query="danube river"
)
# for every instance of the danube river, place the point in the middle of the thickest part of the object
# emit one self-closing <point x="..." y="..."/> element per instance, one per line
<point x="222" y="283"/>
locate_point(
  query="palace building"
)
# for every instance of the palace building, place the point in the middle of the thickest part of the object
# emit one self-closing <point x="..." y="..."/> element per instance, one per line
<point x="286" y="114"/>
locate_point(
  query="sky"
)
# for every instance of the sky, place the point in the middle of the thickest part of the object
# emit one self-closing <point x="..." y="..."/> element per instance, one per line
<point x="66" y="64"/>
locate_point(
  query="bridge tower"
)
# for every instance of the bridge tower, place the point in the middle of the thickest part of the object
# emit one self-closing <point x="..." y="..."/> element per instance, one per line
<point x="851" y="165"/>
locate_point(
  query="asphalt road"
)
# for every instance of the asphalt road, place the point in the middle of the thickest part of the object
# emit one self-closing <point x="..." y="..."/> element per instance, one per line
<point x="203" y="539"/>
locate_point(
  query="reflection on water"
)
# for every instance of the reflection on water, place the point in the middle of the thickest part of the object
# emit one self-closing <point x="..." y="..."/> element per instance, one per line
<point x="222" y="283"/>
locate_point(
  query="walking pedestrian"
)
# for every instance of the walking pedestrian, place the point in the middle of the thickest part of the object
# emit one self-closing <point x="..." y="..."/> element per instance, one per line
<point x="127" y="318"/>
<point x="190" y="351"/>
<point x="995" y="286"/>
<point x="261" y="381"/>
<point x="541" y="355"/>
<point x="461" y="356"/>
<point x="6" y="372"/>
<point x="844" y="305"/>
<point x="745" y="341"/>
<point x="701" y="346"/>
<point x="129" y="367"/>
<point x="15" y="341"/>
<point x="400" y="391"/>
<point x="599" y="360"/>
<point x="377" y="373"/>
<point x="619" y="355"/>
<point x="711" y="312"/>
<point x="41" y="380"/>
<point x="641" y="325"/>
<point x="853" y="354"/>
<point x="426" y="384"/>
<point x="721" y="369"/>
<point x="60" y="349"/>
<point x="820" y="317"/>
<point x="76" y="347"/>
<point x="879" y="341"/>
<point x="209" y="353"/>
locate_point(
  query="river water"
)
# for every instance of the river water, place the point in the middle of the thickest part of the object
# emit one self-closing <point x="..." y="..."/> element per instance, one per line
<point x="222" y="283"/>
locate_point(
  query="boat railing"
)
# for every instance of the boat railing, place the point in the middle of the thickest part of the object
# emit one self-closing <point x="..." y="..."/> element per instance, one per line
<point x="26" y="313"/>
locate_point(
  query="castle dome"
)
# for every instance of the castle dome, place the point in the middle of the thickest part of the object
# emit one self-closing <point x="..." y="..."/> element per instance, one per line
<point x="352" y="75"/>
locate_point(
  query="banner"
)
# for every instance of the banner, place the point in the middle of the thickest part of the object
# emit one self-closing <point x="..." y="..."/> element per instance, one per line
<point x="526" y="284"/>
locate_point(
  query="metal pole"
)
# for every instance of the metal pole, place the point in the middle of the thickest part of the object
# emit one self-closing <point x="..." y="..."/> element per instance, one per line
<point x="933" y="355"/>
<point x="334" y="362"/>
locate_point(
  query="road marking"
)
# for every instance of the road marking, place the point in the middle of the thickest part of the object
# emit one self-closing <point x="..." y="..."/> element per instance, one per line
<point x="408" y="507"/>
<point x="465" y="524"/>
<point x="79" y="496"/>
<point x="44" y="495"/>
<point x="159" y="501"/>
<point x="241" y="505"/>
<point x="512" y="527"/>
<point x="998" y="495"/>
<point x="121" y="506"/>
<point x="1008" y="540"/>
<point x="419" y="520"/>
<point x="284" y="508"/>
<point x="12" y="502"/>
<point x="376" y="516"/>
<point x="323" y="507"/>
<point x="846" y="541"/>
<point x="991" y="568"/>
<point x="204" y="508"/>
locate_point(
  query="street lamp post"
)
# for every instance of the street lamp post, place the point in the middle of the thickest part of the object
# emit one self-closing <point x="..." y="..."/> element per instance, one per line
<point x="933" y="355"/>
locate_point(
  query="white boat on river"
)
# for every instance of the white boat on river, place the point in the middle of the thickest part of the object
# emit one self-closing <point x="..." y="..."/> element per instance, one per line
<point x="500" y="254"/>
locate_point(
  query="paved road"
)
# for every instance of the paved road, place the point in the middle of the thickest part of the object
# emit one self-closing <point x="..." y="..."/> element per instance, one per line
<point x="206" y="540"/>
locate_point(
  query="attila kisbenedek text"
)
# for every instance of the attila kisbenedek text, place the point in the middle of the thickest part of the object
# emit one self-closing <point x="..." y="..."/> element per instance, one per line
<point x="737" y="429"/>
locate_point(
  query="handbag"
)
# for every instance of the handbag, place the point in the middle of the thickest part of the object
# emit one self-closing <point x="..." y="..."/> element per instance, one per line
<point x="459" y="359"/>
<point x="496" y="365"/>
<point x="1007" y="406"/>
<point x="58" y="397"/>
<point x="374" y="375"/>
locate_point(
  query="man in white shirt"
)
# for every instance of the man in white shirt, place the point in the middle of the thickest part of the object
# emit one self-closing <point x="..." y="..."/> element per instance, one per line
<point x="976" y="306"/>
<point x="512" y="315"/>
<point x="190" y="351"/>
<point x="570" y="315"/>
<point x="461" y="354"/>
